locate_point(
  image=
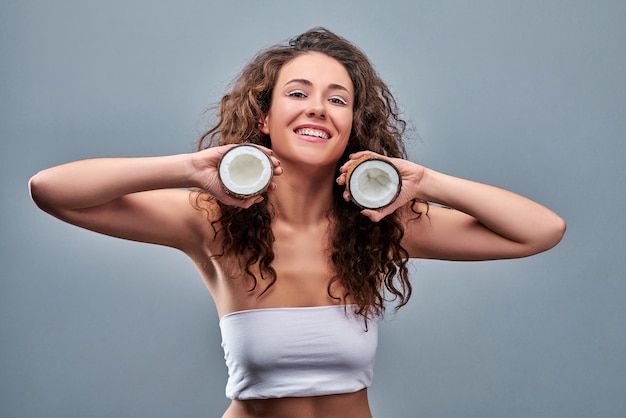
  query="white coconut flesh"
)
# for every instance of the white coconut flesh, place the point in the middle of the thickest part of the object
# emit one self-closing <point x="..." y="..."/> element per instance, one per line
<point x="374" y="184"/>
<point x="245" y="170"/>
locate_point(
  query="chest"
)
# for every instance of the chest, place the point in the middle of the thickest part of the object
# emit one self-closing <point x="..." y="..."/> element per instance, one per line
<point x="303" y="272"/>
<point x="302" y="252"/>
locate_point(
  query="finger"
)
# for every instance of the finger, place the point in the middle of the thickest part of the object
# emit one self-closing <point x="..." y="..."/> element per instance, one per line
<point x="374" y="215"/>
<point x="344" y="168"/>
<point x="356" y="156"/>
<point x="254" y="201"/>
<point x="269" y="153"/>
<point x="360" y="154"/>
<point x="231" y="201"/>
<point x="223" y="148"/>
<point x="251" y="201"/>
<point x="237" y="201"/>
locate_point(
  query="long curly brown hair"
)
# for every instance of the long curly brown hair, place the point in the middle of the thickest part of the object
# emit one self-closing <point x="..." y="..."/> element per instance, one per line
<point x="368" y="259"/>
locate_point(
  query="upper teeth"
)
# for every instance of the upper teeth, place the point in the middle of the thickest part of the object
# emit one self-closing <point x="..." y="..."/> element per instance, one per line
<point x="312" y="132"/>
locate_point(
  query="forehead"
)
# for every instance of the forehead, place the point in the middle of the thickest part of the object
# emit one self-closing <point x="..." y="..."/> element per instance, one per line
<point x="317" y="68"/>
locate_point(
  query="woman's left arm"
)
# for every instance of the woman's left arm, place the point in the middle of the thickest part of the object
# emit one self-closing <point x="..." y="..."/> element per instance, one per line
<point x="469" y="220"/>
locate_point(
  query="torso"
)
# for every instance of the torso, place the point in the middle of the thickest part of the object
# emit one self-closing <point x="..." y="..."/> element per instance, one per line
<point x="303" y="274"/>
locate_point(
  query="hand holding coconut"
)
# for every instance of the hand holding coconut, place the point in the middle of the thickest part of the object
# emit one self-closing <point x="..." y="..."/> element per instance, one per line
<point x="379" y="184"/>
<point x="237" y="175"/>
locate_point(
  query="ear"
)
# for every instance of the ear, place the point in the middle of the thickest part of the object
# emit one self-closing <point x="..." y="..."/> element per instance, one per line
<point x="263" y="124"/>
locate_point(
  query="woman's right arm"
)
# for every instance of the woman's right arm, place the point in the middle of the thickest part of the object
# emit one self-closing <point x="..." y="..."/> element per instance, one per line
<point x="141" y="199"/>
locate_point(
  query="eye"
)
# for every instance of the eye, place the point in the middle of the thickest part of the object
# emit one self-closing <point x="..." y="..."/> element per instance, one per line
<point x="338" y="100"/>
<point x="297" y="93"/>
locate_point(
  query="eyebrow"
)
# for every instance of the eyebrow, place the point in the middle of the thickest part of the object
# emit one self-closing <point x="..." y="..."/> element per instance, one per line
<point x="306" y="82"/>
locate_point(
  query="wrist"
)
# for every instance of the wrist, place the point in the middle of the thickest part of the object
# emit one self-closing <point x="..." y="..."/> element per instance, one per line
<point x="191" y="169"/>
<point x="427" y="185"/>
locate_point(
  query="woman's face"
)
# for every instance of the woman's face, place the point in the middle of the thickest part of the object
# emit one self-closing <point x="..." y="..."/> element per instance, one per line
<point x="310" y="118"/>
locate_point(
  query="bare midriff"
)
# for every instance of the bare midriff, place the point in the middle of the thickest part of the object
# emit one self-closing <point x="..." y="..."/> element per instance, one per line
<point x="347" y="405"/>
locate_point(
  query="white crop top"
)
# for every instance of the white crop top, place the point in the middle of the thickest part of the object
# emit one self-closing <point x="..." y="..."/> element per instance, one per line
<point x="287" y="352"/>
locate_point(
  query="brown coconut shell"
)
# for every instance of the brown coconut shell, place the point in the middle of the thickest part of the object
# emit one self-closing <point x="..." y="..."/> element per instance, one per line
<point x="235" y="194"/>
<point x="360" y="161"/>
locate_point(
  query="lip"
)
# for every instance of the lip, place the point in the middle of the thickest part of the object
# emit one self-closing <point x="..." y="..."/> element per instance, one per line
<point x="309" y="138"/>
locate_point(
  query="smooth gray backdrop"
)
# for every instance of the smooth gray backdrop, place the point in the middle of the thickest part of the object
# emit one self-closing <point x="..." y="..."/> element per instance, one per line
<point x="527" y="95"/>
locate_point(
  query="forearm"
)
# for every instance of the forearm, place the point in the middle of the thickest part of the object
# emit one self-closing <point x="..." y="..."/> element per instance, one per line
<point x="507" y="214"/>
<point x="89" y="183"/>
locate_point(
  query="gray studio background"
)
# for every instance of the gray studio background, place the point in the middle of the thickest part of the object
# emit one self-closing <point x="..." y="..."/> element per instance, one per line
<point x="527" y="95"/>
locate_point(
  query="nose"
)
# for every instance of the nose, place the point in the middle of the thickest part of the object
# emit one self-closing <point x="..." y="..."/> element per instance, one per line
<point x="316" y="109"/>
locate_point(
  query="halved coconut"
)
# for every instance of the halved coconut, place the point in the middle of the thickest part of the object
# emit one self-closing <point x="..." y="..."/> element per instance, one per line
<point x="245" y="171"/>
<point x="373" y="183"/>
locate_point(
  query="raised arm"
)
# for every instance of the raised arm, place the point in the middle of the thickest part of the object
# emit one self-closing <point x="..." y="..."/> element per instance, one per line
<point x="141" y="199"/>
<point x="476" y="222"/>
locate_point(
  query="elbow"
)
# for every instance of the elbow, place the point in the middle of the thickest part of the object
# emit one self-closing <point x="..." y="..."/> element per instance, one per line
<point x="562" y="227"/>
<point x="38" y="192"/>
<point x="552" y="234"/>
<point x="558" y="231"/>
<point x="34" y="189"/>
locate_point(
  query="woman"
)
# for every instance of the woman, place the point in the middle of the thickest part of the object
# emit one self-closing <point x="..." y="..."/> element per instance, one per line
<point x="299" y="274"/>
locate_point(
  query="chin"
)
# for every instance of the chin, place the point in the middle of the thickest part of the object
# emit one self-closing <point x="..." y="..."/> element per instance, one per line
<point x="309" y="153"/>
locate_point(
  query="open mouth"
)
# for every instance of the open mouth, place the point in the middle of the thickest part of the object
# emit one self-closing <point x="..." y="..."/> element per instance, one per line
<point x="315" y="134"/>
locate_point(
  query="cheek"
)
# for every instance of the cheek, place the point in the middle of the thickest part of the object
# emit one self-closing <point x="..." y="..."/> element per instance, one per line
<point x="346" y="124"/>
<point x="282" y="114"/>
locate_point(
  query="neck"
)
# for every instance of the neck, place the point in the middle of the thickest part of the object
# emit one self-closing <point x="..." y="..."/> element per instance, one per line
<point x="303" y="196"/>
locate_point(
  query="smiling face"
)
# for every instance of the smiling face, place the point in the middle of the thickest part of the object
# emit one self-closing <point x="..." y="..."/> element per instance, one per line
<point x="310" y="117"/>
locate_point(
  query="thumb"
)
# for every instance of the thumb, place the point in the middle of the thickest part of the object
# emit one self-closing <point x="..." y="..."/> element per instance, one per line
<point x="374" y="215"/>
